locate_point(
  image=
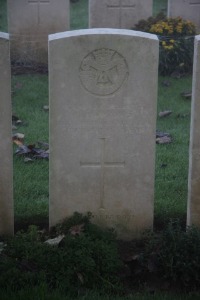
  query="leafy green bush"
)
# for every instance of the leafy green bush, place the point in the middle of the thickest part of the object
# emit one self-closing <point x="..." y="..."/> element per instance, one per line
<point x="175" y="255"/>
<point x="87" y="257"/>
<point x="176" y="38"/>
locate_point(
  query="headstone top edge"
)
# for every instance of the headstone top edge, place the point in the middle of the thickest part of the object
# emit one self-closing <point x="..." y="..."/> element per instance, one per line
<point x="99" y="31"/>
<point x="4" y="35"/>
<point x="197" y="37"/>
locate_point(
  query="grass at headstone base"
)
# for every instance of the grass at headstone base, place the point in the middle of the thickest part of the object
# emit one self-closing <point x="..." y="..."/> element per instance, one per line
<point x="30" y="95"/>
<point x="31" y="193"/>
<point x="42" y="294"/>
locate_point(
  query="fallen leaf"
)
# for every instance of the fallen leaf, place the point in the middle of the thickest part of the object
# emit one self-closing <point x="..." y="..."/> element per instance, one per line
<point x="165" y="113"/>
<point x="46" y="107"/>
<point x="16" y="120"/>
<point x="80" y="277"/>
<point x="56" y="240"/>
<point x="187" y="94"/>
<point x="23" y="150"/>
<point x="18" y="136"/>
<point x="18" y="85"/>
<point x="43" y="145"/>
<point x="161" y="134"/>
<point x="166" y="83"/>
<point x="164" y="140"/>
<point x="77" y="229"/>
<point x="27" y="160"/>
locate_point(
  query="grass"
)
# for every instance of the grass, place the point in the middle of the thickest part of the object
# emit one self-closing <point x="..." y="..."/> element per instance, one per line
<point x="31" y="179"/>
<point x="171" y="180"/>
<point x="159" y="6"/>
<point x="3" y="16"/>
<point x="41" y="293"/>
<point x="30" y="94"/>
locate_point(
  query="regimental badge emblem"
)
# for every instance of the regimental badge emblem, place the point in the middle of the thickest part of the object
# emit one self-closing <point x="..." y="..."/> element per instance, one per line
<point x="103" y="72"/>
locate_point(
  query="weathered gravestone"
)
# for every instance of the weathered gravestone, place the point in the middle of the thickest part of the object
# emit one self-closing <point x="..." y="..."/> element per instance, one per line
<point x="187" y="9"/>
<point x="103" y="91"/>
<point x="6" y="197"/>
<point x="118" y="13"/>
<point x="30" y="22"/>
<point x="193" y="213"/>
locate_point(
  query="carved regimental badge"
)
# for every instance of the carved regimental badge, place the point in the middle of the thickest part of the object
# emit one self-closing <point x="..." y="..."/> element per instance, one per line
<point x="103" y="71"/>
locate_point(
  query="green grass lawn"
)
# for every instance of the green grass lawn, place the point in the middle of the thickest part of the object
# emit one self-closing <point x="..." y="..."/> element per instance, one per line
<point x="42" y="294"/>
<point x="31" y="193"/>
<point x="31" y="179"/>
<point x="30" y="94"/>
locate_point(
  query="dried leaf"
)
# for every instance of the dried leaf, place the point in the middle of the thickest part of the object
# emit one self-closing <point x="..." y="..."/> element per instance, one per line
<point x="22" y="150"/>
<point x="27" y="160"/>
<point x="43" y="145"/>
<point x="42" y="154"/>
<point x="46" y="107"/>
<point x="164" y="140"/>
<point x="18" y="136"/>
<point x="80" y="277"/>
<point x="166" y="83"/>
<point x="55" y="241"/>
<point x="77" y="229"/>
<point x="187" y="94"/>
<point x="16" y="120"/>
<point x="17" y="142"/>
<point x="161" y="134"/>
<point x="165" y="113"/>
<point x="18" y="85"/>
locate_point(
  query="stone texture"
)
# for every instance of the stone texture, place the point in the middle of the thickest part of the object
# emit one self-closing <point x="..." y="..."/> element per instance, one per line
<point x="187" y="9"/>
<point x="193" y="212"/>
<point x="103" y="91"/>
<point x="6" y="194"/>
<point x="30" y="22"/>
<point x="118" y="13"/>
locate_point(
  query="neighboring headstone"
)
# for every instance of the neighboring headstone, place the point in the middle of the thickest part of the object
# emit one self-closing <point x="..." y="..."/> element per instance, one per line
<point x="103" y="92"/>
<point x="193" y="212"/>
<point x="6" y="188"/>
<point x="118" y="13"/>
<point x="30" y="22"/>
<point x="187" y="9"/>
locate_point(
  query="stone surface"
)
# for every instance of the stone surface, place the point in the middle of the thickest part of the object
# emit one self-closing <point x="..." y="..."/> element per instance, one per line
<point x="6" y="194"/>
<point x="30" y="22"/>
<point x="103" y="91"/>
<point x="118" y="13"/>
<point x="187" y="9"/>
<point x="193" y="212"/>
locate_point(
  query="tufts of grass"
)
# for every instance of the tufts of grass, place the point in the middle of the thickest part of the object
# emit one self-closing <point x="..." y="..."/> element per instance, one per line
<point x="172" y="159"/>
<point x="159" y="6"/>
<point x="79" y="15"/>
<point x="30" y="94"/>
<point x="3" y="16"/>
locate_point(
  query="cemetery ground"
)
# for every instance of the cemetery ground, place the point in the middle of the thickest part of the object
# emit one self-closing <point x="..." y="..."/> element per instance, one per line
<point x="30" y="118"/>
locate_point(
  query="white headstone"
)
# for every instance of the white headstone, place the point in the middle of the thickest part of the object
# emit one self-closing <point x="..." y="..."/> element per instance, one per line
<point x="103" y="91"/>
<point x="187" y="9"/>
<point x="6" y="188"/>
<point x="30" y="22"/>
<point x="193" y="212"/>
<point x="118" y="13"/>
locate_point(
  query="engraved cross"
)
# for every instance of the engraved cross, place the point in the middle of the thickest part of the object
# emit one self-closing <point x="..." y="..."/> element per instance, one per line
<point x="38" y="2"/>
<point x="103" y="164"/>
<point x="120" y="5"/>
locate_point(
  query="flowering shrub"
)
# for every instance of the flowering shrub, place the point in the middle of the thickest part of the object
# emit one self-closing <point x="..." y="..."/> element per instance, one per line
<point x="176" y="42"/>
